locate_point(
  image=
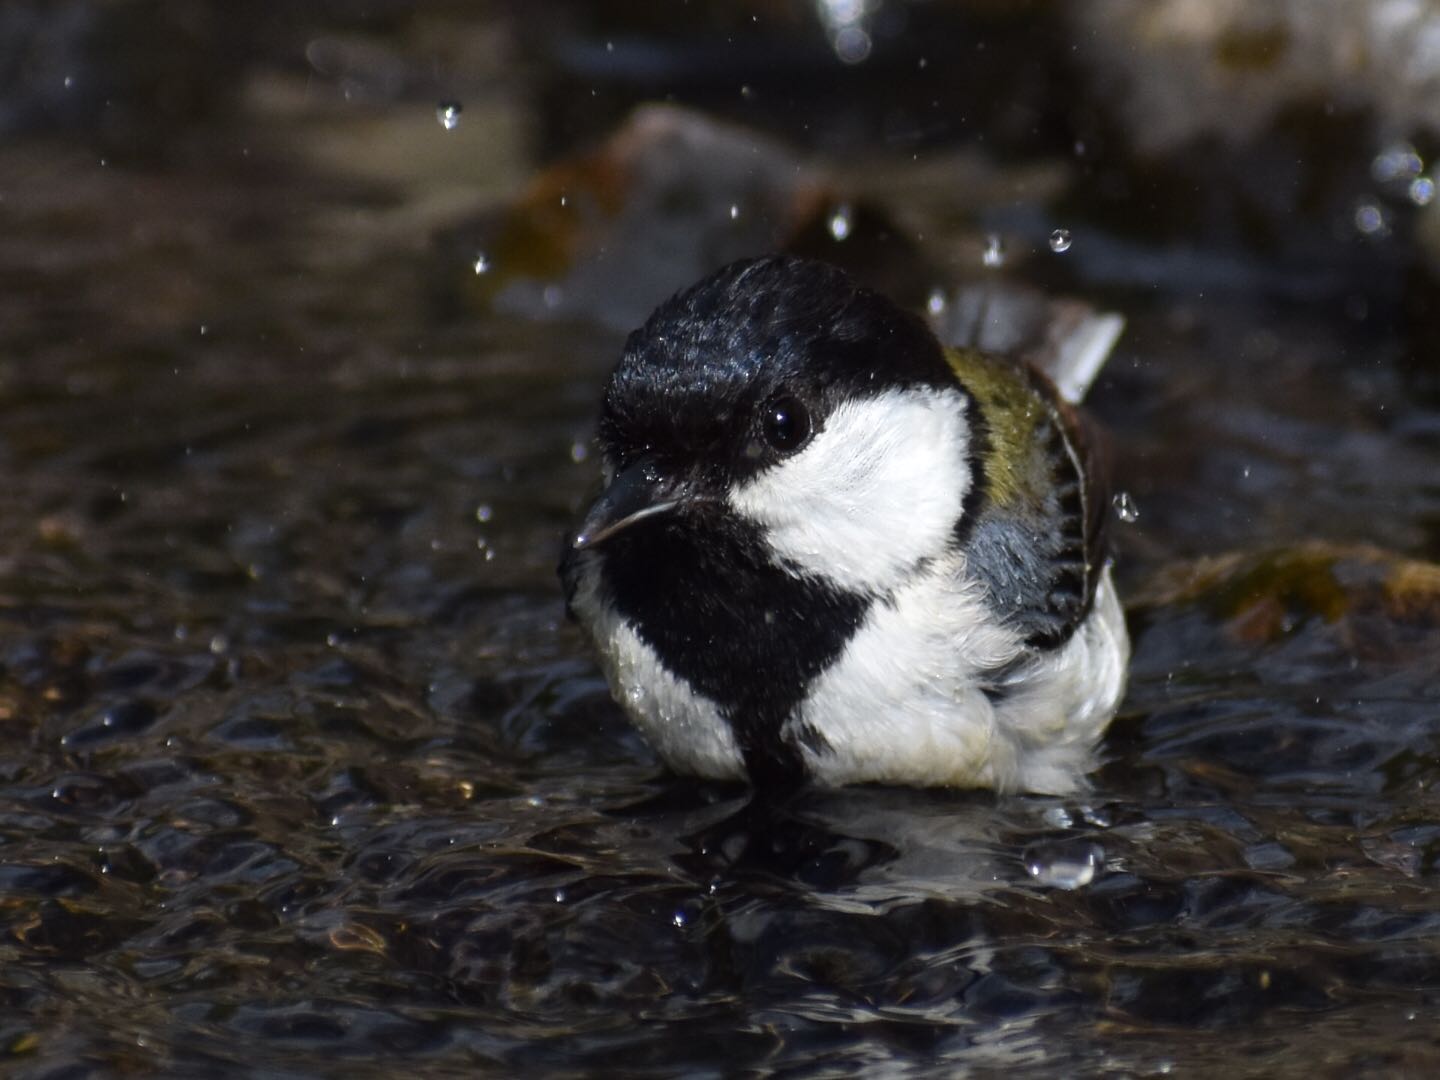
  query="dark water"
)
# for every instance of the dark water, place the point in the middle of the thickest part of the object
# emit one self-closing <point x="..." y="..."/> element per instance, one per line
<point x="305" y="774"/>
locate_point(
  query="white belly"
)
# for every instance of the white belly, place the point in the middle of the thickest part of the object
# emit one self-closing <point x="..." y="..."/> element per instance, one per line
<point x="902" y="704"/>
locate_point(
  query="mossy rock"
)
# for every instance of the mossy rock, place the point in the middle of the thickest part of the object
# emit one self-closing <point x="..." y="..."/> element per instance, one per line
<point x="1263" y="597"/>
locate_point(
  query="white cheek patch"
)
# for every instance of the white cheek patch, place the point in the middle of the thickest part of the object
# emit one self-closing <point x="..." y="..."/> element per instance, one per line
<point x="875" y="492"/>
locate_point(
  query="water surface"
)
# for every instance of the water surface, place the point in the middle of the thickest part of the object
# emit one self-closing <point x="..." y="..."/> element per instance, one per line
<point x="306" y="774"/>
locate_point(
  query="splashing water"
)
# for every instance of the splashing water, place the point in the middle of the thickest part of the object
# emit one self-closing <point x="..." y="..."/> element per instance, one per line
<point x="448" y="113"/>
<point x="1397" y="162"/>
<point x="1370" y="219"/>
<point x="1126" y="508"/>
<point x="1064" y="864"/>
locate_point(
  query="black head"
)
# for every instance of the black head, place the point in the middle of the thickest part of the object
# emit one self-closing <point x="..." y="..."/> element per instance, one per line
<point x="725" y="379"/>
<point x="739" y="370"/>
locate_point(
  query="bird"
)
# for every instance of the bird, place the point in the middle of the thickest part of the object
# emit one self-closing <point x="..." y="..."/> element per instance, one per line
<point x="831" y="551"/>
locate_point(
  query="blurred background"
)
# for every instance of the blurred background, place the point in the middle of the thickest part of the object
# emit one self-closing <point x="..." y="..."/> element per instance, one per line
<point x="304" y="312"/>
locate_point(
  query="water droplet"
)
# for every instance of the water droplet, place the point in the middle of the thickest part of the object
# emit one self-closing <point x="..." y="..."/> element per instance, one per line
<point x="746" y="93"/>
<point x="734" y="211"/>
<point x="852" y="45"/>
<point x="1063" y="864"/>
<point x="1126" y="508"/>
<point x="840" y="222"/>
<point x="1079" y="148"/>
<point x="484" y="512"/>
<point x="1060" y="241"/>
<point x="69" y="81"/>
<point x="219" y="644"/>
<point x="448" y="113"/>
<point x="609" y="46"/>
<point x="935" y="303"/>
<point x="1399" y="161"/>
<point x="1422" y="191"/>
<point x="1370" y="219"/>
<point x="1057" y="817"/>
<point x="578" y="452"/>
<point x="559" y="896"/>
<point x="553" y="295"/>
<point x="678" y="920"/>
<point x="481" y="263"/>
<point x="994" y="251"/>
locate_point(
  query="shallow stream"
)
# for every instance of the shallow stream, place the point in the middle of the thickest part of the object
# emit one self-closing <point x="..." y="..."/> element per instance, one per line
<point x="305" y="774"/>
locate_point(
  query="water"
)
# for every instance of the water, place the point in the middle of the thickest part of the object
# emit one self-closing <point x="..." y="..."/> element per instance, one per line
<point x="1060" y="241"/>
<point x="306" y="772"/>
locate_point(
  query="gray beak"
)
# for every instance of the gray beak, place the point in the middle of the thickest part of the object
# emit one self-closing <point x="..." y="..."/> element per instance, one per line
<point x="639" y="491"/>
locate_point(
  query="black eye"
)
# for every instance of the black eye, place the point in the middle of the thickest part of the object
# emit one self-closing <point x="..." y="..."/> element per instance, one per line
<point x="787" y="424"/>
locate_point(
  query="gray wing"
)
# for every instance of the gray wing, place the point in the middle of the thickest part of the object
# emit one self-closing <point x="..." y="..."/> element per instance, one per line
<point x="1041" y="557"/>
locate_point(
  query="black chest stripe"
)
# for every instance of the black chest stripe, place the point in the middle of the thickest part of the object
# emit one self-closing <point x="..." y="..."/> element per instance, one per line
<point x="742" y="631"/>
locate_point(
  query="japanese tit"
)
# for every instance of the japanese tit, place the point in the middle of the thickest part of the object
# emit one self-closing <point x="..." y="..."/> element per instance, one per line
<point x="830" y="549"/>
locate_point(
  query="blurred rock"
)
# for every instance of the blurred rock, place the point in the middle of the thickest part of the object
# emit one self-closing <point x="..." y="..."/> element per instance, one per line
<point x="1289" y="127"/>
<point x="668" y="198"/>
<point x="1293" y="140"/>
<point x="1181" y="70"/>
<point x="674" y="195"/>
<point x="610" y="233"/>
